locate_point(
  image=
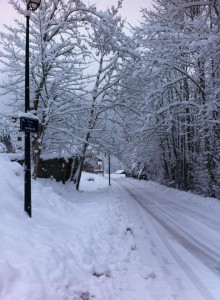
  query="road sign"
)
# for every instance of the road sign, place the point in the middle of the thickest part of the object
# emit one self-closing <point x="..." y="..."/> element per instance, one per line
<point x="29" y="125"/>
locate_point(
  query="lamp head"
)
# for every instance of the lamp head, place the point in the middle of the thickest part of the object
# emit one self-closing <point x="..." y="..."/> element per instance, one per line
<point x="33" y="4"/>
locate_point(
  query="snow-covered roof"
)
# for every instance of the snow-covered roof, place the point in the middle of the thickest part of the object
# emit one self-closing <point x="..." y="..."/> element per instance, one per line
<point x="47" y="156"/>
<point x="120" y="172"/>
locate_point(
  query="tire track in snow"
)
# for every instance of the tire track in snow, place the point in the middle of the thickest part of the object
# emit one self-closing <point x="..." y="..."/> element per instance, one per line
<point x="193" y="211"/>
<point x="194" y="248"/>
<point x="183" y="234"/>
<point x="160" y="219"/>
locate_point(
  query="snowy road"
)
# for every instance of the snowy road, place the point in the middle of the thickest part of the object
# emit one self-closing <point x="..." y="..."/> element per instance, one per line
<point x="133" y="240"/>
<point x="179" y="238"/>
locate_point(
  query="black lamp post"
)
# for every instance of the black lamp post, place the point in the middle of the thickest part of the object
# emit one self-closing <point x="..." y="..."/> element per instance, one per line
<point x="31" y="5"/>
<point x="109" y="169"/>
<point x="109" y="160"/>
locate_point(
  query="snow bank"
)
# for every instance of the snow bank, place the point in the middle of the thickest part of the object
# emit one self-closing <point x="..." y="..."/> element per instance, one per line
<point x="76" y="246"/>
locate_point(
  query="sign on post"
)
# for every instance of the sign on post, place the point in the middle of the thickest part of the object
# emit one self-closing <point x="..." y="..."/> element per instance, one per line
<point x="29" y="125"/>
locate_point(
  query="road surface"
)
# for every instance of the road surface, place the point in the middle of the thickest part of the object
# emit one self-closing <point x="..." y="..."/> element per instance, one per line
<point x="178" y="238"/>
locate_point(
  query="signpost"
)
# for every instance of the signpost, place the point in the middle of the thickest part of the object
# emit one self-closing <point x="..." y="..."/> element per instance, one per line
<point x="29" y="125"/>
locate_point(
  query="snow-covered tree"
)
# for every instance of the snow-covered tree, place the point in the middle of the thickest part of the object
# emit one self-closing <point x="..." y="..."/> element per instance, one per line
<point x="7" y="144"/>
<point x="110" y="48"/>
<point x="176" y="87"/>
<point x="76" y="53"/>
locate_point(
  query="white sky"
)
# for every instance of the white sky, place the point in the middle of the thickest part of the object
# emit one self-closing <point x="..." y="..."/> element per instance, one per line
<point x="130" y="10"/>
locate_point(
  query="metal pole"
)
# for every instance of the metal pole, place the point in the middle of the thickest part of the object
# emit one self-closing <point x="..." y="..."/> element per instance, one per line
<point x="27" y="149"/>
<point x="109" y="170"/>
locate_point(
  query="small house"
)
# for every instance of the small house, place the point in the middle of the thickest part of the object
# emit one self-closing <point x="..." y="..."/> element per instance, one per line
<point x="98" y="165"/>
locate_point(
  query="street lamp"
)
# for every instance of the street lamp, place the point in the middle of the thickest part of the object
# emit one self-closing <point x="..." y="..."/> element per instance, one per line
<point x="31" y="5"/>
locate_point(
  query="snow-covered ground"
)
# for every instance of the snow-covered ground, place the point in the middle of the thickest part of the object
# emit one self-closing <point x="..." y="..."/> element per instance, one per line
<point x="177" y="235"/>
<point x="102" y="243"/>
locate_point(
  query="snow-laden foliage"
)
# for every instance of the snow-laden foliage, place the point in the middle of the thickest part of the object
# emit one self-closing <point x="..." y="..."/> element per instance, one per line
<point x="76" y="53"/>
<point x="175" y="86"/>
<point x="8" y="134"/>
<point x="151" y="98"/>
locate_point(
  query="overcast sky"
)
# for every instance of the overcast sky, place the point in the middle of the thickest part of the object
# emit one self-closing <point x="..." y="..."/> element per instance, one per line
<point x="130" y="10"/>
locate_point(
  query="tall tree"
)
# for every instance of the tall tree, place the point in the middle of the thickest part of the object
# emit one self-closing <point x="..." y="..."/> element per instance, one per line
<point x="76" y="55"/>
<point x="176" y="82"/>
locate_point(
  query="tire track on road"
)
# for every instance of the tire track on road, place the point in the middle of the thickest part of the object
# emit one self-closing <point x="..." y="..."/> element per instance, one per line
<point x="194" y="248"/>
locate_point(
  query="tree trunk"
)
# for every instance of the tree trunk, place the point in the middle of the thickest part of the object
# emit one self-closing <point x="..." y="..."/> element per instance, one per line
<point x="79" y="172"/>
<point x="74" y="169"/>
<point x="36" y="150"/>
